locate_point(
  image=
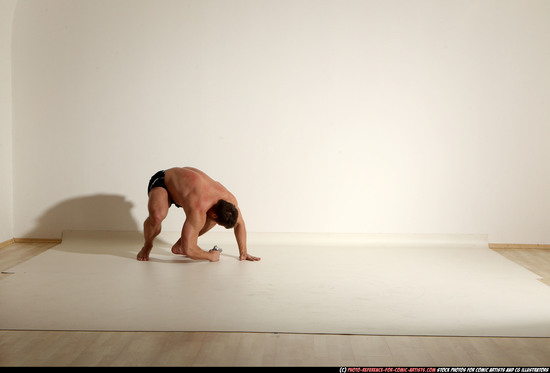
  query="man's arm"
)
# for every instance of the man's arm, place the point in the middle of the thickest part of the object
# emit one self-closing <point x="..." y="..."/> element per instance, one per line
<point x="240" y="235"/>
<point x="207" y="226"/>
<point x="189" y="239"/>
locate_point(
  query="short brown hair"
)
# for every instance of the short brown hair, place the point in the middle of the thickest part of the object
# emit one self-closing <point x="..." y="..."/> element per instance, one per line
<point x="227" y="213"/>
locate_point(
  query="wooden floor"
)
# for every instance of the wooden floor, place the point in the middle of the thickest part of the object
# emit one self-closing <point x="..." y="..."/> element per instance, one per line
<point x="75" y="348"/>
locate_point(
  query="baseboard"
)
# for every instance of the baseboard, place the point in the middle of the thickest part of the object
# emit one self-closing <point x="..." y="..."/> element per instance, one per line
<point x="494" y="246"/>
<point x="37" y="240"/>
<point x="6" y="243"/>
<point x="504" y="246"/>
<point x="30" y="241"/>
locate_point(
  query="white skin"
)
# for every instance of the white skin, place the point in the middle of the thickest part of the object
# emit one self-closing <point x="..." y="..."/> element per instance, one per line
<point x="196" y="193"/>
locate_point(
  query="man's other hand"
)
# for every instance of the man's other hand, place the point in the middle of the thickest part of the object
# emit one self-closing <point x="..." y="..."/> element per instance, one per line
<point x="249" y="257"/>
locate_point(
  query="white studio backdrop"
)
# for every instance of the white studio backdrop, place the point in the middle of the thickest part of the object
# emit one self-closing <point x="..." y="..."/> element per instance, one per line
<point x="320" y="116"/>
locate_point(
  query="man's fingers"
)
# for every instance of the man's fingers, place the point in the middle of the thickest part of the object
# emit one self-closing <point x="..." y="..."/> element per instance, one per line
<point x="251" y="258"/>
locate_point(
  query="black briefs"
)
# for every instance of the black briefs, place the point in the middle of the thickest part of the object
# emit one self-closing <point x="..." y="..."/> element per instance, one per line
<point x="157" y="180"/>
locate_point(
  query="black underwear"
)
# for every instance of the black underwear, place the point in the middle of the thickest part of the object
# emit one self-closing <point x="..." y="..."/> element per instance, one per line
<point x="158" y="181"/>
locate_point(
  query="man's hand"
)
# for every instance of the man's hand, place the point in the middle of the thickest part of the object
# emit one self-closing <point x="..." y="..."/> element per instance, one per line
<point x="215" y="255"/>
<point x="249" y="257"/>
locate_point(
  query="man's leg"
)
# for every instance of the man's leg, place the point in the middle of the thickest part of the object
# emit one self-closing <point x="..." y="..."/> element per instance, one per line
<point x="159" y="203"/>
<point x="176" y="248"/>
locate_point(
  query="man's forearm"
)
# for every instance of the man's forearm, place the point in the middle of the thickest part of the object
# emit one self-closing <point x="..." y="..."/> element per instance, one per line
<point x="189" y="239"/>
<point x="240" y="235"/>
<point x="197" y="253"/>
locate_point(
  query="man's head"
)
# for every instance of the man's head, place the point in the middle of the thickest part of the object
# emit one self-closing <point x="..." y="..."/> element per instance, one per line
<point x="224" y="213"/>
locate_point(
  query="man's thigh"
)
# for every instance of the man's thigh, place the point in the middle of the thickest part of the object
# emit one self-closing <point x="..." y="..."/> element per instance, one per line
<point x="159" y="202"/>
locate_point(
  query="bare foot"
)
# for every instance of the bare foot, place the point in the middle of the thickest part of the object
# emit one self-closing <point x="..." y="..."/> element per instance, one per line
<point x="176" y="249"/>
<point x="143" y="255"/>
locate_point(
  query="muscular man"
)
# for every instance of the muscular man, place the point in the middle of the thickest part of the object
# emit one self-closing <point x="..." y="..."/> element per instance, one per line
<point x="205" y="202"/>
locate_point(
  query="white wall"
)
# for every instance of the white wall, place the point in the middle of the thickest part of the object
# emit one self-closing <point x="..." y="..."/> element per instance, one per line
<point x="7" y="8"/>
<point x="320" y="116"/>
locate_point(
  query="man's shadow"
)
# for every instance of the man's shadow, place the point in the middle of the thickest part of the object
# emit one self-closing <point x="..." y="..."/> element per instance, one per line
<point x="100" y="212"/>
<point x="103" y="224"/>
<point x="95" y="212"/>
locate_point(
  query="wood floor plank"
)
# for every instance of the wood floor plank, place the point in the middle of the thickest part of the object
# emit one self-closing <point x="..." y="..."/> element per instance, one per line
<point x="446" y="351"/>
<point x="17" y="253"/>
<point x="408" y="352"/>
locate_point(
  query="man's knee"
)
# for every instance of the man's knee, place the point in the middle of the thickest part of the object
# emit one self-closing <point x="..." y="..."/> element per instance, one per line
<point x="156" y="217"/>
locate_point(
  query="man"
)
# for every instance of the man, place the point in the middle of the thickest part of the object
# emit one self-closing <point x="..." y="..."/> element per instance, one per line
<point x="205" y="202"/>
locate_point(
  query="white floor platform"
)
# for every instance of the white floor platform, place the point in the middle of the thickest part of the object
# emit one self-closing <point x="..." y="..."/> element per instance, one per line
<point x="318" y="283"/>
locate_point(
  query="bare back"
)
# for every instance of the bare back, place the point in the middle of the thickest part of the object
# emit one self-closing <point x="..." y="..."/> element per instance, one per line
<point x="195" y="191"/>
